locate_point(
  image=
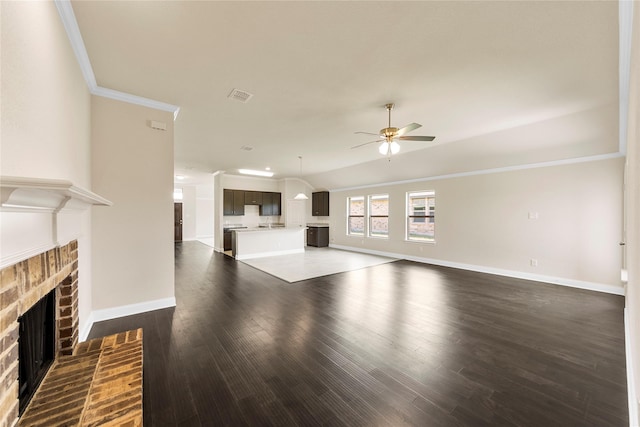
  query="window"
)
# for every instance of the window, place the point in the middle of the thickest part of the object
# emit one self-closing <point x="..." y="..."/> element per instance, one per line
<point x="356" y="216"/>
<point x="421" y="211"/>
<point x="379" y="216"/>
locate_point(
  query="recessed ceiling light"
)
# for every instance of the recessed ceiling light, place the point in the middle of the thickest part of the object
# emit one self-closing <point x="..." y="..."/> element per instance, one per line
<point x="267" y="168"/>
<point x="179" y="176"/>
<point x="254" y="172"/>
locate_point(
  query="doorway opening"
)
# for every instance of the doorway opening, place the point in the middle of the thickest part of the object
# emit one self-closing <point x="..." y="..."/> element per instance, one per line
<point x="177" y="222"/>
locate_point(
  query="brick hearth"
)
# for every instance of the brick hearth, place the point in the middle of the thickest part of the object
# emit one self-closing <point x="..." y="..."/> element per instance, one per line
<point x="99" y="385"/>
<point x="21" y="286"/>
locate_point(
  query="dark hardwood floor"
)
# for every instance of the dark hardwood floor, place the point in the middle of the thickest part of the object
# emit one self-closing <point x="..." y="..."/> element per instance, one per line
<point x="397" y="344"/>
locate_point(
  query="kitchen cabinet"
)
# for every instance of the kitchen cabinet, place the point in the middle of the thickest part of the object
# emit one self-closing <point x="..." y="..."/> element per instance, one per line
<point x="238" y="202"/>
<point x="320" y="203"/>
<point x="227" y="240"/>
<point x="253" y="198"/>
<point x="318" y="236"/>
<point x="233" y="202"/>
<point x="227" y="233"/>
<point x="271" y="204"/>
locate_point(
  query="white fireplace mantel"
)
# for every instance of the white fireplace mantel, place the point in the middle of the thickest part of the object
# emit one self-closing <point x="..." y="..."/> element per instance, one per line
<point x="20" y="193"/>
<point x="39" y="214"/>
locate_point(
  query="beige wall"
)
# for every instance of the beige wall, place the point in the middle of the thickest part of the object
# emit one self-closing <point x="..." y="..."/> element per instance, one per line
<point x="45" y="112"/>
<point x="632" y="213"/>
<point x="483" y="220"/>
<point x="45" y="101"/>
<point x="132" y="240"/>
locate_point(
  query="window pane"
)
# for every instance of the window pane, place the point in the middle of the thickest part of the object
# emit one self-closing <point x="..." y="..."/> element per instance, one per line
<point x="418" y="229"/>
<point x="356" y="225"/>
<point x="379" y="205"/>
<point x="356" y="206"/>
<point x="379" y="227"/>
<point x="421" y="212"/>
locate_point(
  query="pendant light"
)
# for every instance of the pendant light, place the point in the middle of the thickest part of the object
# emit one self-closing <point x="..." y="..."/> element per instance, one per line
<point x="301" y="195"/>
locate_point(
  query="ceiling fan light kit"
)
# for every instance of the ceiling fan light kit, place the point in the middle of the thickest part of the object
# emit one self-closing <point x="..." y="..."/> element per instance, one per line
<point x="388" y="148"/>
<point x="390" y="136"/>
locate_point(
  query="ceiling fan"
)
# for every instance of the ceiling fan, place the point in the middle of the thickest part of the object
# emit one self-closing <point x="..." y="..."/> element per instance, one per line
<point x="390" y="135"/>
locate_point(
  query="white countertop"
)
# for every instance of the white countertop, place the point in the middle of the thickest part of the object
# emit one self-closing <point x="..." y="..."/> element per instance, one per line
<point x="253" y="229"/>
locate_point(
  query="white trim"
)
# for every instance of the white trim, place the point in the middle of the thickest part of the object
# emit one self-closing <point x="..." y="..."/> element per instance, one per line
<point x="39" y="194"/>
<point x="7" y="260"/>
<point x="268" y="254"/>
<point x="86" y="328"/>
<point x="130" y="309"/>
<point x="595" y="158"/>
<point x="592" y="286"/>
<point x="134" y="99"/>
<point x="632" y="396"/>
<point x="68" y="18"/>
<point x="75" y="38"/>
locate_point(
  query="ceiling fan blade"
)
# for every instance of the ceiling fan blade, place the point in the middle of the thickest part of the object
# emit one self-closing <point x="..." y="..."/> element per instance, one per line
<point x="366" y="143"/>
<point x="417" y="138"/>
<point x="408" y="128"/>
<point x="369" y="133"/>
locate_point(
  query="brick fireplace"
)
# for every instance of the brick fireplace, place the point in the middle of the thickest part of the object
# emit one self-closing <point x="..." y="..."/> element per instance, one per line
<point x="22" y="285"/>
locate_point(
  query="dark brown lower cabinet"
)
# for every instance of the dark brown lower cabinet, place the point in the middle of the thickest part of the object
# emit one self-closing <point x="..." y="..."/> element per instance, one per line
<point x="227" y="240"/>
<point x="318" y="236"/>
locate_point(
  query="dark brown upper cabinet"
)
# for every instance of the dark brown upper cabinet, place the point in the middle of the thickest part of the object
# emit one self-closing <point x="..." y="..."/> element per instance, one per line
<point x="271" y="204"/>
<point x="320" y="203"/>
<point x="253" y="198"/>
<point x="233" y="202"/>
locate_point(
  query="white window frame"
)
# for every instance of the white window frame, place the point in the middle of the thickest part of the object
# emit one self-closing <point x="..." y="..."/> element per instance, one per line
<point x="429" y="215"/>
<point x="363" y="216"/>
<point x="370" y="217"/>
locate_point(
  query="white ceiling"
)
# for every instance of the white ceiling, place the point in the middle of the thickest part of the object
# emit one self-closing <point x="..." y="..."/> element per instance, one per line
<point x="498" y="83"/>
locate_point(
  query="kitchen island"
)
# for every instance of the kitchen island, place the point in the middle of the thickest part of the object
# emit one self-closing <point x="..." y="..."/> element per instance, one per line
<point x="262" y="242"/>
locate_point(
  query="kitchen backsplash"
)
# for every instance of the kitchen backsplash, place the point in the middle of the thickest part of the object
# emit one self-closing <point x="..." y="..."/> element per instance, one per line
<point x="251" y="218"/>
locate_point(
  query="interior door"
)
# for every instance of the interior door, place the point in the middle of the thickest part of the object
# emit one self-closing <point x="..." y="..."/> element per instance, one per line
<point x="177" y="222"/>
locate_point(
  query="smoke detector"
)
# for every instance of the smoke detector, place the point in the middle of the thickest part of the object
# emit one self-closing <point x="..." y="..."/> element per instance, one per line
<point x="240" y="95"/>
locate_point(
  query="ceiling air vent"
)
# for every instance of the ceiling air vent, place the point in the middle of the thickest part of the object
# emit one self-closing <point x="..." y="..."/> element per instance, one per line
<point x="240" y="95"/>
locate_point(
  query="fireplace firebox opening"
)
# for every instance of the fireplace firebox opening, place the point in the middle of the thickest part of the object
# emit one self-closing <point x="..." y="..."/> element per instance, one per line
<point x="36" y="346"/>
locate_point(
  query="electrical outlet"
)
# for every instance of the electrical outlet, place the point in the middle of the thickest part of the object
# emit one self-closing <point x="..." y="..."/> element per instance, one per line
<point x="533" y="262"/>
<point x="533" y="215"/>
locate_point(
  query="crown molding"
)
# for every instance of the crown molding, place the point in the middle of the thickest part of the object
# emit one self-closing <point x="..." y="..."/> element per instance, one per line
<point x="65" y="10"/>
<point x="596" y="158"/>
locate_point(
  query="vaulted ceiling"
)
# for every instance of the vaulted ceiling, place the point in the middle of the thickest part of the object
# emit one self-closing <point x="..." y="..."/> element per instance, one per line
<point x="498" y="83"/>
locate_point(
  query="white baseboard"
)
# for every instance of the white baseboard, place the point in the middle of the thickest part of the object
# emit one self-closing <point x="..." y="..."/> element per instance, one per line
<point x="86" y="328"/>
<point x="632" y="396"/>
<point x="121" y="311"/>
<point x="592" y="286"/>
